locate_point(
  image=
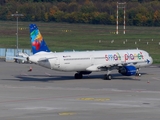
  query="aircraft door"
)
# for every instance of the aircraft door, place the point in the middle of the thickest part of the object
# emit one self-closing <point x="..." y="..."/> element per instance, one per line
<point x="57" y="62"/>
<point x="92" y="59"/>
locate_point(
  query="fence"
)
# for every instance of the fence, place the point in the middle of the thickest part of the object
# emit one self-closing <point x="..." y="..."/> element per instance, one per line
<point x="8" y="53"/>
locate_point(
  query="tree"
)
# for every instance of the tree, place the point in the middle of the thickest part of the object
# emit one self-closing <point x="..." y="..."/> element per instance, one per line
<point x="138" y="12"/>
<point x="157" y="17"/>
<point x="2" y="2"/>
<point x="88" y="7"/>
<point x="72" y="7"/>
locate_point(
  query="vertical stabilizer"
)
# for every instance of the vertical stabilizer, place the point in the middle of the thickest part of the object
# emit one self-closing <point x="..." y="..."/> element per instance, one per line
<point x="37" y="41"/>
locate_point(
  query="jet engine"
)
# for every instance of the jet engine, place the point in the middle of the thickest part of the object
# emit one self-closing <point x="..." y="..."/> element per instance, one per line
<point x="128" y="70"/>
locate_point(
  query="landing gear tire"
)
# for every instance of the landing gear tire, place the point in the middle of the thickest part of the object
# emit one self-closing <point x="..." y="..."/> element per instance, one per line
<point x="107" y="77"/>
<point x="78" y="76"/>
<point x="138" y="74"/>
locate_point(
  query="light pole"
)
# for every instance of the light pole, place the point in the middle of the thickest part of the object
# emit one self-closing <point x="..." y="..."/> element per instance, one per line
<point x="17" y="15"/>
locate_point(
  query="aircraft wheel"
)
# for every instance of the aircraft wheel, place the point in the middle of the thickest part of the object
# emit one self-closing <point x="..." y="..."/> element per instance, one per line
<point x="107" y="77"/>
<point x="78" y="76"/>
<point x="138" y="74"/>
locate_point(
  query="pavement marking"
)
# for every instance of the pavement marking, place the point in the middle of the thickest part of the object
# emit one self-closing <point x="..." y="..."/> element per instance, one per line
<point x="155" y="78"/>
<point x="24" y="74"/>
<point x="95" y="99"/>
<point x="67" y="113"/>
<point x="47" y="74"/>
<point x="37" y="108"/>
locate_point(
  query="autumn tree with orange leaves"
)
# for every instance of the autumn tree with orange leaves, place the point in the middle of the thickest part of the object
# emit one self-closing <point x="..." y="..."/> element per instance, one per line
<point x="138" y="12"/>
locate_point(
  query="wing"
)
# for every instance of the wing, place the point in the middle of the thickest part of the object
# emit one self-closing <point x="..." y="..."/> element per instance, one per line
<point x="113" y="64"/>
<point x="18" y="58"/>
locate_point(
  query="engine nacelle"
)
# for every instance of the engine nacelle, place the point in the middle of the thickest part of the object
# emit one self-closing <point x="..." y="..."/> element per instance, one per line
<point x="128" y="70"/>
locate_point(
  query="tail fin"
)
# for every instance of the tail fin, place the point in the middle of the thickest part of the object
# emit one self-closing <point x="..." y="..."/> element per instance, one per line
<point x="37" y="41"/>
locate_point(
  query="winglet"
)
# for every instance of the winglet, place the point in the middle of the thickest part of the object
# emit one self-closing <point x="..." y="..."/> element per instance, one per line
<point x="37" y="41"/>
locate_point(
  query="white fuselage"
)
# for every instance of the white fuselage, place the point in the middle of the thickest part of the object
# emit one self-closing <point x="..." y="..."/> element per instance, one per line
<point x="90" y="60"/>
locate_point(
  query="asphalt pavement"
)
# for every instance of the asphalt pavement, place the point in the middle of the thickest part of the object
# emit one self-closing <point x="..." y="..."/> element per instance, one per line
<point x="44" y="94"/>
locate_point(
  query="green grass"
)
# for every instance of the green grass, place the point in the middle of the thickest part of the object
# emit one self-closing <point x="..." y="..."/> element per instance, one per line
<point x="64" y="36"/>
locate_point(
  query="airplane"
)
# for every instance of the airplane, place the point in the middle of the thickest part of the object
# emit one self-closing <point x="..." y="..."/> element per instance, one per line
<point x="127" y="62"/>
<point x="21" y="57"/>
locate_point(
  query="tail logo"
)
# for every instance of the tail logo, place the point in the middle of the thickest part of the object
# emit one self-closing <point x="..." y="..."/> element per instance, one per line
<point x="36" y="44"/>
<point x="37" y="41"/>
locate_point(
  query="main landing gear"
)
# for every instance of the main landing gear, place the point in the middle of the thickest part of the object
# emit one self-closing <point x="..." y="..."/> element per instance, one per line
<point x="78" y="75"/>
<point x="108" y="75"/>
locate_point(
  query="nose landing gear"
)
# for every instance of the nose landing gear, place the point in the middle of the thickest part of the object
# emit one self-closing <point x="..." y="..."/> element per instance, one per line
<point x="137" y="72"/>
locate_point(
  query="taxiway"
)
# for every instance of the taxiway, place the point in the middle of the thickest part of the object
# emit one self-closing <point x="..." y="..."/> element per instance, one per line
<point x="44" y="94"/>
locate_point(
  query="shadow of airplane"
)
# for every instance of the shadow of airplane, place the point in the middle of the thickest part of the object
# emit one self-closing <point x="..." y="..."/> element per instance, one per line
<point x="49" y="77"/>
<point x="46" y="78"/>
